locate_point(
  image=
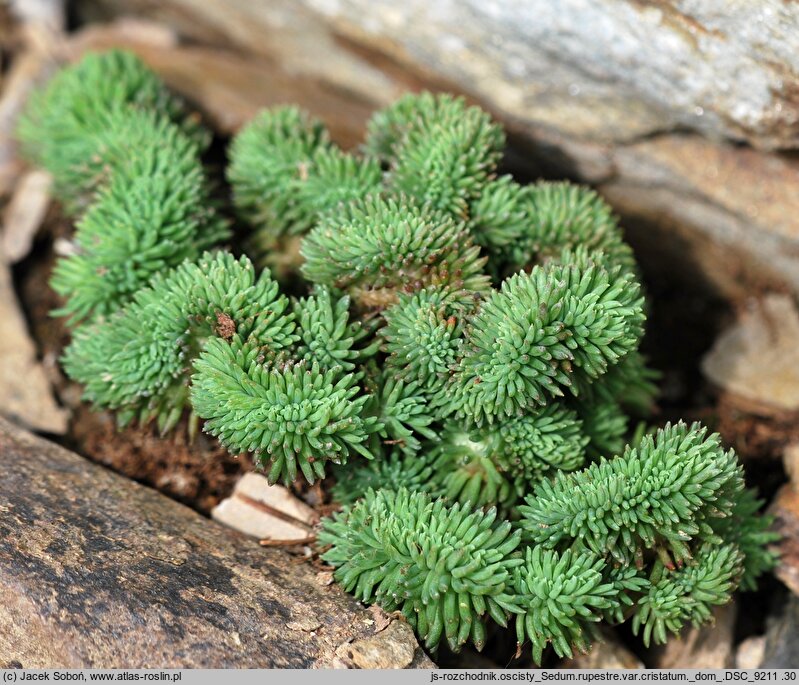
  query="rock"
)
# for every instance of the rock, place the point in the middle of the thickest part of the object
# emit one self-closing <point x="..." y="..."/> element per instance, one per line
<point x="49" y="13"/>
<point x="642" y="108"/>
<point x="785" y="509"/>
<point x="25" y="393"/>
<point x="393" y="647"/>
<point x="126" y="31"/>
<point x="750" y="652"/>
<point x="98" y="571"/>
<point x="782" y="638"/>
<point x="707" y="212"/>
<point x="711" y="646"/>
<point x="25" y="213"/>
<point x="607" y="652"/>
<point x="758" y="358"/>
<point x="592" y="69"/>
<point x="268" y="512"/>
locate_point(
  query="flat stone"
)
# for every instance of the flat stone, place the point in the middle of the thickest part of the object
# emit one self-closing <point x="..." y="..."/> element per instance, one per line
<point x="750" y="652"/>
<point x="25" y="213"/>
<point x="98" y="571"/>
<point x="25" y="393"/>
<point x="268" y="512"/>
<point x="758" y="357"/>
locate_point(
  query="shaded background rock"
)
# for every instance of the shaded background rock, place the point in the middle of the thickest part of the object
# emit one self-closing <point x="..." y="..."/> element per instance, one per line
<point x="711" y="646"/>
<point x="647" y="101"/>
<point x="607" y="652"/>
<point x="24" y="214"/>
<point x="750" y="652"/>
<point x="758" y="358"/>
<point x="782" y="638"/>
<point x="97" y="571"/>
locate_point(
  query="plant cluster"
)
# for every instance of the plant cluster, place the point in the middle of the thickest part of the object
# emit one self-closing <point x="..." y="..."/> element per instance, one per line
<point x="466" y="356"/>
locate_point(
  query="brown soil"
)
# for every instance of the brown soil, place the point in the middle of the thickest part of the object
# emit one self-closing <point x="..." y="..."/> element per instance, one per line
<point x="199" y="473"/>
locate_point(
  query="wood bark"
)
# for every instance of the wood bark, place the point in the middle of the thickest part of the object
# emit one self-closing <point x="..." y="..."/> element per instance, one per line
<point x="98" y="571"/>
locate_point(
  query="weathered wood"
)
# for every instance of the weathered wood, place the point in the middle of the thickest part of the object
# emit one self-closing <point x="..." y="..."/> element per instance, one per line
<point x="636" y="98"/>
<point x="97" y="571"/>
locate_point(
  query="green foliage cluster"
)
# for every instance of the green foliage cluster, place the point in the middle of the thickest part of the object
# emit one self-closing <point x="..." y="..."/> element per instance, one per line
<point x="124" y="154"/>
<point x="79" y="125"/>
<point x="640" y="537"/>
<point x="465" y="361"/>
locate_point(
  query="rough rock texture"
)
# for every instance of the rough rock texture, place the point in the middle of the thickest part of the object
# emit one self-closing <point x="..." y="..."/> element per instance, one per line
<point x="597" y="68"/>
<point x="391" y="648"/>
<point x="643" y="99"/>
<point x="97" y="571"/>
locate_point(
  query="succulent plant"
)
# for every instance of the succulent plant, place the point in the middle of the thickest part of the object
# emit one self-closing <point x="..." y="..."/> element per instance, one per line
<point x="460" y="351"/>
